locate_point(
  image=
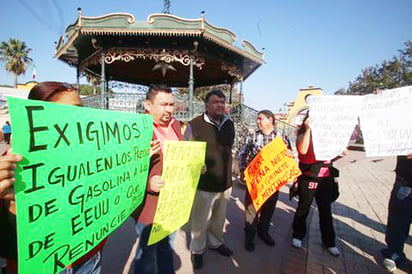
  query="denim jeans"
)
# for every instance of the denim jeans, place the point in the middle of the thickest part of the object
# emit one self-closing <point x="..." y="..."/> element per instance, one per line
<point x="91" y="266"/>
<point x="399" y="219"/>
<point x="156" y="258"/>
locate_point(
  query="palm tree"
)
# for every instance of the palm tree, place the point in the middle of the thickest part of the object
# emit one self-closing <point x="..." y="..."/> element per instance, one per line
<point x="15" y="54"/>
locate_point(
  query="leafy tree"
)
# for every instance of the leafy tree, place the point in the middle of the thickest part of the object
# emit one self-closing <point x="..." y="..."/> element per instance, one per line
<point x="393" y="73"/>
<point x="200" y="92"/>
<point x="15" y="55"/>
<point x="91" y="90"/>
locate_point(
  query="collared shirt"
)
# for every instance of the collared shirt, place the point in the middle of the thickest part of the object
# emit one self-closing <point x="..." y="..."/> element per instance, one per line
<point x="160" y="133"/>
<point x="254" y="144"/>
<point x="165" y="133"/>
<point x="188" y="136"/>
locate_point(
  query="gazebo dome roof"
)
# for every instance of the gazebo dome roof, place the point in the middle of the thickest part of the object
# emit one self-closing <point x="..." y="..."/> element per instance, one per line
<point x="157" y="50"/>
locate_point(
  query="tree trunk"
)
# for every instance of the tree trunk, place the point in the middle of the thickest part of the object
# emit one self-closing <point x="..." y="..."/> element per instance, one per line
<point x="15" y="80"/>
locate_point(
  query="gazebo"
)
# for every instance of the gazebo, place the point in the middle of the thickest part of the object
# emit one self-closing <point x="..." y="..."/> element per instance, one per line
<point x="163" y="49"/>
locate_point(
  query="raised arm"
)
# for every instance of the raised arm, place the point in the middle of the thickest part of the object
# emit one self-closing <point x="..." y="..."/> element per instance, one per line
<point x="303" y="140"/>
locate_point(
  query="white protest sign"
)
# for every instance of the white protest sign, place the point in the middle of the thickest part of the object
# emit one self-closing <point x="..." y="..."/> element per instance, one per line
<point x="333" y="121"/>
<point x="386" y="122"/>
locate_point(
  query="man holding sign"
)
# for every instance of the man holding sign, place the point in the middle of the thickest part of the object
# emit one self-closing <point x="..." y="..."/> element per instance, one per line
<point x="259" y="221"/>
<point x="160" y="104"/>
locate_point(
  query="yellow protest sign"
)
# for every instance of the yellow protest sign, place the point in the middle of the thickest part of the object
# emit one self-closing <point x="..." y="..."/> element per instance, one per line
<point x="269" y="171"/>
<point x="182" y="165"/>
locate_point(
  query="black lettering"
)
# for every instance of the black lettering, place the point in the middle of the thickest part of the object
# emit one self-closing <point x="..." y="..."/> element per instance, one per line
<point x="136" y="130"/>
<point x="36" y="246"/>
<point x="33" y="130"/>
<point x="33" y="213"/>
<point x="57" y="264"/>
<point x="33" y="177"/>
<point x="88" y="217"/>
<point x="80" y="132"/>
<point x="75" y="200"/>
<point x="75" y="225"/>
<point x="89" y="133"/>
<point x="76" y="251"/>
<point x="57" y="179"/>
<point x="114" y="132"/>
<point x="61" y="135"/>
<point x="127" y="132"/>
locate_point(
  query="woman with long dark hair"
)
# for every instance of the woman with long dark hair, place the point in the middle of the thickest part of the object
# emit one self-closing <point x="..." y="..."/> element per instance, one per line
<point x="90" y="263"/>
<point x="316" y="181"/>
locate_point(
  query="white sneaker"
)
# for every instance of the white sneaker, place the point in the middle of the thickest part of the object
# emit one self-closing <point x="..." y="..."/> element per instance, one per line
<point x="334" y="251"/>
<point x="390" y="263"/>
<point x="296" y="243"/>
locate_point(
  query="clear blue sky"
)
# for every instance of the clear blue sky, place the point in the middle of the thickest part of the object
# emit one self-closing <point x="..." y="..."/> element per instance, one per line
<point x="325" y="43"/>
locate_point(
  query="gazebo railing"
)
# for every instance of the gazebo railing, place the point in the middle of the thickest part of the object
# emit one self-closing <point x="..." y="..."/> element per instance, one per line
<point x="243" y="116"/>
<point x="133" y="103"/>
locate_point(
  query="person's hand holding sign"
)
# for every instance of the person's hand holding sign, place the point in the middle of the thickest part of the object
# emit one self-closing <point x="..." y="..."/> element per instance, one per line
<point x="155" y="183"/>
<point x="154" y="147"/>
<point x="7" y="166"/>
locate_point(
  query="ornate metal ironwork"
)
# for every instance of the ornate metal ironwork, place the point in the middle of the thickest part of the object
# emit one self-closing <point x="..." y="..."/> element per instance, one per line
<point x="244" y="117"/>
<point x="133" y="102"/>
<point x="128" y="86"/>
<point x="232" y="71"/>
<point x="164" y="55"/>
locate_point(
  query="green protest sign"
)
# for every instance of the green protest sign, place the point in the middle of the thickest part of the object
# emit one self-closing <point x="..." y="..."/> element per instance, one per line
<point x="84" y="171"/>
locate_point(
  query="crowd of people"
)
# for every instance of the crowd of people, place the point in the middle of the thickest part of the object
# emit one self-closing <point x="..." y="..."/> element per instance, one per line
<point x="318" y="181"/>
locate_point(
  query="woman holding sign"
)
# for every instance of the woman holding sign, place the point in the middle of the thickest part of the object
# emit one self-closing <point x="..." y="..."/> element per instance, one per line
<point x="316" y="181"/>
<point x="259" y="221"/>
<point x="55" y="92"/>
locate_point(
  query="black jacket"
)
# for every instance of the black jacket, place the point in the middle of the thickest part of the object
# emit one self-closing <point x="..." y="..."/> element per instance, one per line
<point x="218" y="161"/>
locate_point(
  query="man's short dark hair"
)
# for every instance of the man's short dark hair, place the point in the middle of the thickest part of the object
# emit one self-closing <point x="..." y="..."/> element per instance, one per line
<point x="155" y="89"/>
<point x="216" y="92"/>
<point x="268" y="115"/>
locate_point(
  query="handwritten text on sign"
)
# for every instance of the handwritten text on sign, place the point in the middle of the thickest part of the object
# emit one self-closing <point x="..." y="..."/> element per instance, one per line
<point x="334" y="119"/>
<point x="84" y="171"/>
<point x="269" y="171"/>
<point x="386" y="122"/>
<point x="182" y="164"/>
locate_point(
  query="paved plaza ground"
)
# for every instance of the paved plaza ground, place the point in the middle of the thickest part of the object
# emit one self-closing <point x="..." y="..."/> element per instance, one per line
<point x="360" y="219"/>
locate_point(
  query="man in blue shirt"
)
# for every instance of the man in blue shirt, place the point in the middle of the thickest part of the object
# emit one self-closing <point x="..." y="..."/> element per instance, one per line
<point x="7" y="132"/>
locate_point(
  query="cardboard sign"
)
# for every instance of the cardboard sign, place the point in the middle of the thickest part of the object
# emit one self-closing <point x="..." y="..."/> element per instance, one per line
<point x="269" y="171"/>
<point x="334" y="119"/>
<point x="182" y="165"/>
<point x="386" y="122"/>
<point x="84" y="171"/>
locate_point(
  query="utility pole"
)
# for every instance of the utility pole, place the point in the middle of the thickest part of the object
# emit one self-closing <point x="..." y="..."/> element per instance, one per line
<point x="166" y="8"/>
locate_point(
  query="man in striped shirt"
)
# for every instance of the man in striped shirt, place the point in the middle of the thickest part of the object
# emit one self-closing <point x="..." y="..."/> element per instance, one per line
<point x="259" y="221"/>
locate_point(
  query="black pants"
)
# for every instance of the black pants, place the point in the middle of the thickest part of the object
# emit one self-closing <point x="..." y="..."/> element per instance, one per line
<point x="399" y="219"/>
<point x="259" y="220"/>
<point x="7" y="137"/>
<point x="321" y="190"/>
